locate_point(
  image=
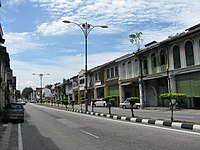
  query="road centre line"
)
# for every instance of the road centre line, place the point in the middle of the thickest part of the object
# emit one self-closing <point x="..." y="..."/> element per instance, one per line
<point x="20" y="145"/>
<point x="89" y="134"/>
<point x="126" y="122"/>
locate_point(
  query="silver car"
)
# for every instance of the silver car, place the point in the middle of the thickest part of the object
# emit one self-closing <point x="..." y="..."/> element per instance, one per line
<point x="100" y="102"/>
<point x="127" y="104"/>
<point x="13" y="111"/>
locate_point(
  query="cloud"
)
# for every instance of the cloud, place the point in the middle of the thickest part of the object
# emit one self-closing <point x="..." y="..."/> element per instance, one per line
<point x="20" y="42"/>
<point x="12" y="3"/>
<point x="66" y="67"/>
<point x="53" y="28"/>
<point x="119" y="15"/>
<point x="156" y="19"/>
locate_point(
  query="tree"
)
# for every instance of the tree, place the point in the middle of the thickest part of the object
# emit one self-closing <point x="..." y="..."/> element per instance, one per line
<point x="58" y="102"/>
<point x="109" y="100"/>
<point x="93" y="103"/>
<point x="173" y="99"/>
<point x="17" y="94"/>
<point x="132" y="101"/>
<point x="26" y="93"/>
<point x="83" y="101"/>
<point x="72" y="102"/>
<point x="65" y="102"/>
<point x="136" y="39"/>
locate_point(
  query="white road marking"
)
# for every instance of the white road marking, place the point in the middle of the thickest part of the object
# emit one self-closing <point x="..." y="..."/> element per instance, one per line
<point x="89" y="134"/>
<point x="20" y="145"/>
<point x="138" y="124"/>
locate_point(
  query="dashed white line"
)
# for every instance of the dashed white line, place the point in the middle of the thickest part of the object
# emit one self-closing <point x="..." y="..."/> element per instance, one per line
<point x="89" y="134"/>
<point x="20" y="145"/>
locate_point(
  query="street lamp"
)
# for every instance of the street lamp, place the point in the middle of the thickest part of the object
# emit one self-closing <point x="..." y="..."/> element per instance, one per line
<point x="41" y="75"/>
<point x="86" y="28"/>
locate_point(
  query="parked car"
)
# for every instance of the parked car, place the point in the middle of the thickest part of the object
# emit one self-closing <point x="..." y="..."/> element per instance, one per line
<point x="100" y="102"/>
<point x="127" y="104"/>
<point x="13" y="111"/>
<point x="22" y="102"/>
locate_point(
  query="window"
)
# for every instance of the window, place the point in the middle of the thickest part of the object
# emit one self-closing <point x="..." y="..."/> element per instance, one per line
<point x="81" y="81"/>
<point x="96" y="76"/>
<point x="112" y="72"/>
<point x="108" y="73"/>
<point x="176" y="57"/>
<point x="145" y="65"/>
<point x="129" y="71"/>
<point x="123" y="70"/>
<point x="162" y="57"/>
<point x="153" y="60"/>
<point x="136" y="67"/>
<point x="116" y="72"/>
<point x="189" y="53"/>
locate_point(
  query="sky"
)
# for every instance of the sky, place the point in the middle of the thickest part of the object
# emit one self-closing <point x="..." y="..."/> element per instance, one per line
<point x="39" y="42"/>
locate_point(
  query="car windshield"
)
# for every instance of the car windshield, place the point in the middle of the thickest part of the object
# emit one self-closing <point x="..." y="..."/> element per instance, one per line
<point x="15" y="106"/>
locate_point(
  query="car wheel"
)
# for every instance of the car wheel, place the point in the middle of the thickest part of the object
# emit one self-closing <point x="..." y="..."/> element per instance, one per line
<point x="138" y="107"/>
<point x="124" y="107"/>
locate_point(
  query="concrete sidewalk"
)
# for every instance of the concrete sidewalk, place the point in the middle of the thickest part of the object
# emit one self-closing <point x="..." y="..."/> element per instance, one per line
<point x="5" y="131"/>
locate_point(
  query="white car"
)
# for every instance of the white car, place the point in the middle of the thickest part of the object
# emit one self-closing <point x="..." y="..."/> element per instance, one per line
<point x="127" y="104"/>
<point x="100" y="103"/>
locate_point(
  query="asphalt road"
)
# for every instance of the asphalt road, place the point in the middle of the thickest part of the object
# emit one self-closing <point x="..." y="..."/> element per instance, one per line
<point x="50" y="129"/>
<point x="161" y="113"/>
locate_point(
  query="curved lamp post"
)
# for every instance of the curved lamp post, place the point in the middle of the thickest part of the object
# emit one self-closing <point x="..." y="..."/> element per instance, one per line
<point x="41" y="75"/>
<point x="86" y="28"/>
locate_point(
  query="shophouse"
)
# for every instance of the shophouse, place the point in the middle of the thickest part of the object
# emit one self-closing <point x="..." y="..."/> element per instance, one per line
<point x="111" y="79"/>
<point x="184" y="65"/>
<point x="97" y="82"/>
<point x="7" y="87"/>
<point x="128" y="76"/>
<point x="172" y="65"/>
<point x="69" y="89"/>
<point x="75" y="88"/>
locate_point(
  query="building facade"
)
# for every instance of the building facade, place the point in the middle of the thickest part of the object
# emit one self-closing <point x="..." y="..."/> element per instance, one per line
<point x="172" y="65"/>
<point x="7" y="80"/>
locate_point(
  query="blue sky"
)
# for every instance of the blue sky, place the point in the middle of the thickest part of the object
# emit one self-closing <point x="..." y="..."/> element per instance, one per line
<point x="39" y="42"/>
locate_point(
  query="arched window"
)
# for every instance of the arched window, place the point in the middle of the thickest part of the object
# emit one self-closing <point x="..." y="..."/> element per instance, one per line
<point x="129" y="67"/>
<point x="153" y="60"/>
<point x="136" y="67"/>
<point x="176" y="56"/>
<point x="162" y="57"/>
<point x="145" y="65"/>
<point x="189" y="54"/>
<point x="123" y="71"/>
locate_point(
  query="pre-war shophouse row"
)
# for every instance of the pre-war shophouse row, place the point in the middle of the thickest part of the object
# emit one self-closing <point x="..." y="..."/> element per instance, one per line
<point x="7" y="80"/>
<point x="172" y="65"/>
